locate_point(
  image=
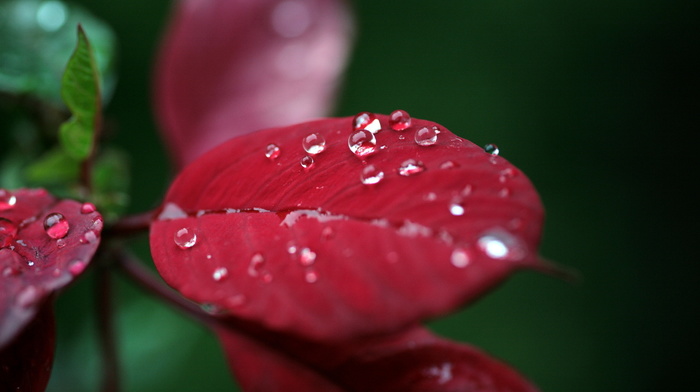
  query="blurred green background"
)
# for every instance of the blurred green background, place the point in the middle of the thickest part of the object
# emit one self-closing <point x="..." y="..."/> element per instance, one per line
<point x="596" y="101"/>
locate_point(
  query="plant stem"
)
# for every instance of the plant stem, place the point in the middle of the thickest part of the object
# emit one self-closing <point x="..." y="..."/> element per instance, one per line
<point x="131" y="224"/>
<point x="105" y="327"/>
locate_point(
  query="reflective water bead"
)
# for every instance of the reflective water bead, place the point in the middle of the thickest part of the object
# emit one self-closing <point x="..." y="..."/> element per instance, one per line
<point x="491" y="149"/>
<point x="306" y="162"/>
<point x="449" y="165"/>
<point x="506" y="174"/>
<point x="272" y="151"/>
<point x="362" y="143"/>
<point x="8" y="231"/>
<point x="89" y="237"/>
<point x="501" y="245"/>
<point x="460" y="258"/>
<point x="87" y="208"/>
<point x="220" y="274"/>
<point x="457" y="208"/>
<point x="185" y="238"/>
<point x="399" y="120"/>
<point x="426" y="136"/>
<point x="7" y="200"/>
<point x="366" y="120"/>
<point x="371" y="175"/>
<point x="256" y="268"/>
<point x="313" y="143"/>
<point x="76" y="267"/>
<point x="410" y="167"/>
<point x="56" y="225"/>
<point x="307" y="257"/>
<point x="311" y="276"/>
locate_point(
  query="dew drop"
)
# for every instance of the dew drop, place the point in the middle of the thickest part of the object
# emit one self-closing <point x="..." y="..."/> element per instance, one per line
<point x="327" y="233"/>
<point x="460" y="258"/>
<point x="220" y="274"/>
<point x="457" y="208"/>
<point x="272" y="151"/>
<point x="89" y="237"/>
<point x="371" y="175"/>
<point x="306" y="162"/>
<point x="426" y="136"/>
<point x="506" y="174"/>
<point x="362" y="143"/>
<point x="76" y="267"/>
<point x="256" y="268"/>
<point x="504" y="192"/>
<point x="56" y="225"/>
<point x="500" y="245"/>
<point x="87" y="208"/>
<point x="307" y="257"/>
<point x="185" y="238"/>
<point x="399" y="120"/>
<point x="311" y="276"/>
<point x="367" y="121"/>
<point x="449" y="165"/>
<point x="430" y="196"/>
<point x="313" y="143"/>
<point x="8" y="232"/>
<point x="7" y="200"/>
<point x="491" y="149"/>
<point x="410" y="167"/>
<point x="402" y="137"/>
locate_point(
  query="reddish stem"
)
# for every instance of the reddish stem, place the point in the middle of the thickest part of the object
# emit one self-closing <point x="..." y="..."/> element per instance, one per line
<point x="105" y="321"/>
<point x="131" y="225"/>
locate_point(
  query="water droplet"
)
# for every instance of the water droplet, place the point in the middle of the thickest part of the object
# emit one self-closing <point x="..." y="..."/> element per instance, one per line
<point x="311" y="276"/>
<point x="306" y="162"/>
<point x="449" y="165"/>
<point x="491" y="149"/>
<point x="220" y="274"/>
<point x="402" y="137"/>
<point x="314" y="143"/>
<point x="467" y="190"/>
<point x="90" y="237"/>
<point x="460" y="258"/>
<point x="8" y="231"/>
<point x="367" y="121"/>
<point x="291" y="248"/>
<point x="60" y="243"/>
<point x="457" y="207"/>
<point x="7" y="200"/>
<point x="506" y="174"/>
<point x="327" y="233"/>
<point x="307" y="257"/>
<point x="430" y="196"/>
<point x="410" y="167"/>
<point x="399" y="120"/>
<point x="272" y="151"/>
<point x="426" y="136"/>
<point x="56" y="225"/>
<point x="504" y="192"/>
<point x="256" y="268"/>
<point x="185" y="238"/>
<point x="371" y="175"/>
<point x="10" y="271"/>
<point x="76" y="267"/>
<point x="98" y="224"/>
<point x="362" y="143"/>
<point x="87" y="208"/>
<point x="501" y="245"/>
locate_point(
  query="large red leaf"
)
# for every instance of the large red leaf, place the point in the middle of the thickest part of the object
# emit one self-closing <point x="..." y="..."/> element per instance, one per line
<point x="413" y="360"/>
<point x="229" y="67"/>
<point x="40" y="252"/>
<point x="318" y="253"/>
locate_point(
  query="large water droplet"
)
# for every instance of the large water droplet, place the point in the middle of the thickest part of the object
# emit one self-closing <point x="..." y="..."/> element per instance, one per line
<point x="272" y="151"/>
<point x="56" y="225"/>
<point x="371" y="175"/>
<point x="219" y="274"/>
<point x="410" y="167"/>
<point x="362" y="143"/>
<point x="307" y="257"/>
<point x="457" y="207"/>
<point x="460" y="258"/>
<point x="501" y="245"/>
<point x="491" y="149"/>
<point x="306" y="162"/>
<point x="8" y="231"/>
<point x="7" y="200"/>
<point x="426" y="136"/>
<point x="366" y="120"/>
<point x="399" y="120"/>
<point x="313" y="143"/>
<point x="87" y="208"/>
<point x="185" y="238"/>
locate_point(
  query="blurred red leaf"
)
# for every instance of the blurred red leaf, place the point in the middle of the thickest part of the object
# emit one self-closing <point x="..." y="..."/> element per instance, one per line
<point x="44" y="244"/>
<point x="229" y="67"/>
<point x="413" y="360"/>
<point x="317" y="253"/>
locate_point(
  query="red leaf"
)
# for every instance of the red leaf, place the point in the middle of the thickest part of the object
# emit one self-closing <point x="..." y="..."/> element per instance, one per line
<point x="318" y="253"/>
<point x="229" y="67"/>
<point x="25" y="364"/>
<point x="414" y="360"/>
<point x="32" y="263"/>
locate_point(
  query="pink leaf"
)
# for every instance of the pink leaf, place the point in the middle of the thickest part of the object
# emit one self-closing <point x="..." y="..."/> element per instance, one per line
<point x="413" y="360"/>
<point x="229" y="67"/>
<point x="44" y="244"/>
<point x="318" y="253"/>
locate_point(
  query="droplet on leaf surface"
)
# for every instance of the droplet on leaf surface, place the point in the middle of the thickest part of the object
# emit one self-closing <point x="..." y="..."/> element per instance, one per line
<point x="185" y="238"/>
<point x="371" y="175"/>
<point x="314" y="144"/>
<point x="362" y="143"/>
<point x="306" y="162"/>
<point x="56" y="225"/>
<point x="399" y="120"/>
<point x="367" y="121"/>
<point x="426" y="136"/>
<point x="272" y="151"/>
<point x="491" y="149"/>
<point x="410" y="167"/>
<point x="8" y="231"/>
<point x="87" y="208"/>
<point x="220" y="274"/>
<point x="7" y="200"/>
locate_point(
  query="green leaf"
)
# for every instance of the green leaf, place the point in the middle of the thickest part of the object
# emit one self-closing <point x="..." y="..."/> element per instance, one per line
<point x="81" y="92"/>
<point x="54" y="168"/>
<point x="110" y="180"/>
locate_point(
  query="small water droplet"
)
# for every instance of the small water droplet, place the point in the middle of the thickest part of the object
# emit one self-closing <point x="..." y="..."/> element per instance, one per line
<point x="256" y="268"/>
<point x="327" y="233"/>
<point x="504" y="192"/>
<point x="500" y="245"/>
<point x="307" y="257"/>
<point x="460" y="258"/>
<point x="426" y="136"/>
<point x="90" y="237"/>
<point x="491" y="149"/>
<point x="449" y="165"/>
<point x="272" y="151"/>
<point x="371" y="175"/>
<point x="362" y="143"/>
<point x="30" y="263"/>
<point x="185" y="238"/>
<point x="210" y="308"/>
<point x="7" y="200"/>
<point x="76" y="267"/>
<point x="8" y="232"/>
<point x="506" y="174"/>
<point x="430" y="196"/>
<point x="56" y="225"/>
<point x="220" y="274"/>
<point x="98" y="224"/>
<point x="467" y="190"/>
<point x="410" y="167"/>
<point x="367" y="121"/>
<point x="313" y="143"/>
<point x="311" y="276"/>
<point x="291" y="248"/>
<point x="399" y="120"/>
<point x="10" y="271"/>
<point x="306" y="162"/>
<point x="457" y="207"/>
<point x="60" y="243"/>
<point x="87" y="208"/>
<point x="402" y="137"/>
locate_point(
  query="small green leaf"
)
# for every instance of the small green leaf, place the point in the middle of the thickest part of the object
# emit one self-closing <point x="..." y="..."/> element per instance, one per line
<point x="110" y="180"/>
<point x="54" y="168"/>
<point x="81" y="92"/>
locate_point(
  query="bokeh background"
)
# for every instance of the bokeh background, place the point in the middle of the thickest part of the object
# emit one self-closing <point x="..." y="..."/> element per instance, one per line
<point x="597" y="102"/>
